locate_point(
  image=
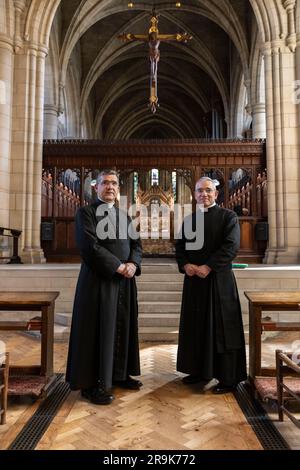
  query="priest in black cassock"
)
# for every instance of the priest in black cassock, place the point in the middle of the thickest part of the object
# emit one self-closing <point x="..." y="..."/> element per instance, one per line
<point x="211" y="339"/>
<point x="103" y="349"/>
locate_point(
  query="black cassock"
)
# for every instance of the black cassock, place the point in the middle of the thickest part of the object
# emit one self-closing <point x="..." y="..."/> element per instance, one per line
<point x="211" y="339"/>
<point x="104" y="334"/>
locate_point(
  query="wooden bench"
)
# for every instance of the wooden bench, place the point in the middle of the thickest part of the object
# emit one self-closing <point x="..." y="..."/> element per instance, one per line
<point x="4" y="371"/>
<point x="268" y="301"/>
<point x="38" y="376"/>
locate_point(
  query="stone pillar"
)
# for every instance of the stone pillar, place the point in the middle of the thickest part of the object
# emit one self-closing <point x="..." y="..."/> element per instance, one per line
<point x="6" y="80"/>
<point x="259" y="121"/>
<point x="282" y="155"/>
<point x="50" y="121"/>
<point x="27" y="149"/>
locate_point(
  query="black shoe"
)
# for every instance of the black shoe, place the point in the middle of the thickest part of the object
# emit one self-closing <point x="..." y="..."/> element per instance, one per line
<point x="192" y="379"/>
<point x="129" y="383"/>
<point x="98" y="396"/>
<point x="222" y="388"/>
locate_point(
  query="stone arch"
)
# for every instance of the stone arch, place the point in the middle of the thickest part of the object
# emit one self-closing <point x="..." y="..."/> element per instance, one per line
<point x="72" y="112"/>
<point x="161" y="121"/>
<point x="52" y="70"/>
<point x="257" y="73"/>
<point x="138" y="103"/>
<point x="87" y="122"/>
<point x="297" y="17"/>
<point x="201" y="57"/>
<point x="136" y="118"/>
<point x="39" y="16"/>
<point x="230" y="25"/>
<point x="7" y="18"/>
<point x="239" y="102"/>
<point x="186" y="84"/>
<point x="271" y="19"/>
<point x="209" y="67"/>
<point x="90" y="12"/>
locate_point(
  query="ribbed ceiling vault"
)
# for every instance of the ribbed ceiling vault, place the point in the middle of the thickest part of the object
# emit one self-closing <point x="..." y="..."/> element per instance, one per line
<point x="193" y="78"/>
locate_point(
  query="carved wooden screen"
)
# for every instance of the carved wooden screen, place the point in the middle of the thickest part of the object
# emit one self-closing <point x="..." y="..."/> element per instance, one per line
<point x="70" y="167"/>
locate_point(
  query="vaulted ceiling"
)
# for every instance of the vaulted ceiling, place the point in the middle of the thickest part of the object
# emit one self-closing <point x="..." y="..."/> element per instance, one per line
<point x="193" y="78"/>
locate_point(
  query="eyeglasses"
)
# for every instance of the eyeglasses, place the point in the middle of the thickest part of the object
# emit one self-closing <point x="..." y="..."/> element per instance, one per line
<point x="206" y="190"/>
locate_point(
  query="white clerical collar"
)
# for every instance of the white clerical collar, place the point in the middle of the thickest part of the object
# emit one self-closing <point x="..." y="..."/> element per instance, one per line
<point x="206" y="209"/>
<point x="109" y="204"/>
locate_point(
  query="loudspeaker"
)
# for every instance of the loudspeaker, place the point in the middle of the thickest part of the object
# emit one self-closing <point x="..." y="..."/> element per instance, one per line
<point x="262" y="231"/>
<point x="47" y="231"/>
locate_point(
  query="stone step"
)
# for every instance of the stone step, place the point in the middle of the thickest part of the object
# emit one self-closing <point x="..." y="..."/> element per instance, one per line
<point x="159" y="320"/>
<point x="159" y="307"/>
<point x="61" y="333"/>
<point x="167" y="334"/>
<point x="163" y="296"/>
<point x="64" y="319"/>
<point x="159" y="286"/>
<point x="161" y="277"/>
<point x="160" y="269"/>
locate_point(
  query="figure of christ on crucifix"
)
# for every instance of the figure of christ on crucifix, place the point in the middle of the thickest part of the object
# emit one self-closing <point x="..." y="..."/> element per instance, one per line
<point x="154" y="38"/>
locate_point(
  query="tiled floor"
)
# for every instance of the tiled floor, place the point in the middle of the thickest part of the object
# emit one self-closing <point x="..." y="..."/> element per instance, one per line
<point x="163" y="399"/>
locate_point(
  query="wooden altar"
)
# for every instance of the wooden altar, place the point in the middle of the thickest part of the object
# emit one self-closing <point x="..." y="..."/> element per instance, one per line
<point x="69" y="168"/>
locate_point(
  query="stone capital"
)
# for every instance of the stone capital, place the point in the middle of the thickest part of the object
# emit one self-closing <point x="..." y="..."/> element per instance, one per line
<point x="6" y="42"/>
<point x="259" y="108"/>
<point x="20" y="5"/>
<point x="249" y="109"/>
<point x="265" y="48"/>
<point x="278" y="46"/>
<point x="289" y="4"/>
<point x="51" y="109"/>
<point x="27" y="47"/>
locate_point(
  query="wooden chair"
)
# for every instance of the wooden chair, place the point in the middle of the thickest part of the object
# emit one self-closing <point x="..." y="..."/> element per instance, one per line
<point x="285" y="365"/>
<point x="4" y="372"/>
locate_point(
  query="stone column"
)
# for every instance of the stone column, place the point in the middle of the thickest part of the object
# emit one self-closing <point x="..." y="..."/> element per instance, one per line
<point x="27" y="149"/>
<point x="50" y="121"/>
<point x="282" y="155"/>
<point x="259" y="121"/>
<point x="6" y="79"/>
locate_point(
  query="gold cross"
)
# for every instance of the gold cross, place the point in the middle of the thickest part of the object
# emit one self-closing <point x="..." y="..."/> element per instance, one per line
<point x="154" y="38"/>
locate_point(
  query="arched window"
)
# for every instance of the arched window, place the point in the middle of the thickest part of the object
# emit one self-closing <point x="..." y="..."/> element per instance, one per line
<point x="154" y="177"/>
<point x="135" y="184"/>
<point x="174" y="184"/>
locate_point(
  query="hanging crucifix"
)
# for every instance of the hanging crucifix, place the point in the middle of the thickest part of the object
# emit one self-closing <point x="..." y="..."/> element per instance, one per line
<point x="154" y="38"/>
